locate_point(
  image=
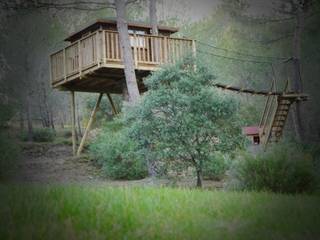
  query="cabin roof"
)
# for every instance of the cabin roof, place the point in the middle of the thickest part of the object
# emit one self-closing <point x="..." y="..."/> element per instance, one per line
<point x="112" y="22"/>
<point x="251" y="130"/>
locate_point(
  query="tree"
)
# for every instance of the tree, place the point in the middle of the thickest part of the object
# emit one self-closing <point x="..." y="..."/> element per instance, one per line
<point x="153" y="16"/>
<point x="297" y="10"/>
<point x="118" y="5"/>
<point x="182" y="119"/>
<point x="129" y="71"/>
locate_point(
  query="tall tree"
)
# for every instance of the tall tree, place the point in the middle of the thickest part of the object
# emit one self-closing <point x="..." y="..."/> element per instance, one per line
<point x="153" y="16"/>
<point x="298" y="11"/>
<point x="132" y="85"/>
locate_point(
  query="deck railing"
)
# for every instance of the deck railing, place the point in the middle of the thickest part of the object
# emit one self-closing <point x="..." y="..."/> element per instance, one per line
<point x="103" y="48"/>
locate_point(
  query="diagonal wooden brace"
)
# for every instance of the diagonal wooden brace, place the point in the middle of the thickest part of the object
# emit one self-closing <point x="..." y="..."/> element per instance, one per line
<point x="91" y="119"/>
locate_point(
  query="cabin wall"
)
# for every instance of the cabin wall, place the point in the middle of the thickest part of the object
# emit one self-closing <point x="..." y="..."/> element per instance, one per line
<point x="113" y="27"/>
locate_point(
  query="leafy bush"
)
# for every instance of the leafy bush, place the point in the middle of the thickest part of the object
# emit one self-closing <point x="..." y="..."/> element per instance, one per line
<point x="182" y="118"/>
<point x="66" y="133"/>
<point x="40" y="135"/>
<point x="284" y="168"/>
<point x="216" y="166"/>
<point x="116" y="152"/>
<point x="9" y="154"/>
<point x="9" y="151"/>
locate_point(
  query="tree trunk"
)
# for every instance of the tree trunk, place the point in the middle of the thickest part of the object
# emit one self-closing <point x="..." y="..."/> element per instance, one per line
<point x="153" y="16"/>
<point x="129" y="71"/>
<point x="297" y="81"/>
<point x="125" y="94"/>
<point x="199" y="178"/>
<point x="52" y="119"/>
<point x="29" y="119"/>
<point x="21" y="120"/>
<point x="154" y="25"/>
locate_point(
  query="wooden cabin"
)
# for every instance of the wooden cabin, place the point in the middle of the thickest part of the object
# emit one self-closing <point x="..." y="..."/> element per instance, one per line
<point x="93" y="60"/>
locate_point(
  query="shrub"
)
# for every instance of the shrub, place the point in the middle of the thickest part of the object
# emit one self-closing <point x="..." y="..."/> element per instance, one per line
<point x="9" y="154"/>
<point x="216" y="166"/>
<point x="284" y="168"/>
<point x="9" y="150"/>
<point x="182" y="118"/>
<point x="114" y="150"/>
<point x="66" y="133"/>
<point x="40" y="135"/>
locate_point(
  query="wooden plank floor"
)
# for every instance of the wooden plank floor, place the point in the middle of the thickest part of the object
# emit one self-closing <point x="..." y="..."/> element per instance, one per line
<point x="101" y="80"/>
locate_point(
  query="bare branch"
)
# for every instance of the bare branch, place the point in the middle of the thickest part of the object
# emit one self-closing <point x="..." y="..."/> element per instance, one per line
<point x="76" y="5"/>
<point x="132" y="1"/>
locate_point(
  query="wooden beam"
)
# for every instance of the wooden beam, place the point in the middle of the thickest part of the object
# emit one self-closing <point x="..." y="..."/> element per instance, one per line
<point x="91" y="119"/>
<point x="114" y="110"/>
<point x="73" y="123"/>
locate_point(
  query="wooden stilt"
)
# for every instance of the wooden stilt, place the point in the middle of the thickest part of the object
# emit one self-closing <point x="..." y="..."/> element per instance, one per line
<point x="92" y="116"/>
<point x="73" y="123"/>
<point x="113" y="106"/>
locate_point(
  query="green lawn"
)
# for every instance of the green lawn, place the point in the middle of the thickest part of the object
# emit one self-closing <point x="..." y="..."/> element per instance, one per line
<point x="99" y="212"/>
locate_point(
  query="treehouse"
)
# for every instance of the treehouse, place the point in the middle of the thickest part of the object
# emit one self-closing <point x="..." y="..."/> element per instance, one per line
<point x="93" y="60"/>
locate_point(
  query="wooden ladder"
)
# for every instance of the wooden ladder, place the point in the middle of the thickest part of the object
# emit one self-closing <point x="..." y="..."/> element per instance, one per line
<point x="279" y="119"/>
<point x="276" y="113"/>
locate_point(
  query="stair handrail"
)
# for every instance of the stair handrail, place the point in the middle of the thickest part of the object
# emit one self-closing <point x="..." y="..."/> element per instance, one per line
<point x="269" y="110"/>
<point x="267" y="105"/>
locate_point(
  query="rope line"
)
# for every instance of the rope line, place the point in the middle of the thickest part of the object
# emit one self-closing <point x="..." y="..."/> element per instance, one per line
<point x="233" y="58"/>
<point x="240" y="53"/>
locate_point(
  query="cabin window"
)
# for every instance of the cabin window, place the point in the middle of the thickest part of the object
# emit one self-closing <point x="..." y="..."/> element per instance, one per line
<point x="139" y="40"/>
<point x="256" y="140"/>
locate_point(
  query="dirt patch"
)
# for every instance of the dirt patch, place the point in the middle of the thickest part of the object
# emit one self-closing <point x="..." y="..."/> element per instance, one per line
<point x="52" y="163"/>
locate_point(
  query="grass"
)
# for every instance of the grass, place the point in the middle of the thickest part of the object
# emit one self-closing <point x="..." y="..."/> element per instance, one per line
<point x="99" y="212"/>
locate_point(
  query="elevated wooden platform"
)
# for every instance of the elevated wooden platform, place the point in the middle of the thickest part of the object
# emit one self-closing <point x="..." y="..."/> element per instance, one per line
<point x="94" y="62"/>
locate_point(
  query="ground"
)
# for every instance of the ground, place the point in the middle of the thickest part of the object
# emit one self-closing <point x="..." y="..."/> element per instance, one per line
<point x="49" y="162"/>
<point x="80" y="204"/>
<point x="53" y="163"/>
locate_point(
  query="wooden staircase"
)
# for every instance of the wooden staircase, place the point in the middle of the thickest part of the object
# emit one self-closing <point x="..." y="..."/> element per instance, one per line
<point x="275" y="115"/>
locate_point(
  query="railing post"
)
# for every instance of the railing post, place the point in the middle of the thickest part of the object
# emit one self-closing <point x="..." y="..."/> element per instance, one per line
<point x="98" y="48"/>
<point x="165" y="40"/>
<point x="104" y="49"/>
<point x="135" y="52"/>
<point x="194" y="51"/>
<point x="64" y="65"/>
<point x="50" y="69"/>
<point x="79" y="58"/>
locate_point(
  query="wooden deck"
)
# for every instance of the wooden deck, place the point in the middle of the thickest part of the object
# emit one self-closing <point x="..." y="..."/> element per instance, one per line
<point x="94" y="63"/>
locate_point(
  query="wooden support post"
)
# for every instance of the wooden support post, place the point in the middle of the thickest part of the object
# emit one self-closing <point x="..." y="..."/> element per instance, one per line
<point x="92" y="116"/>
<point x="114" y="110"/>
<point x="73" y="123"/>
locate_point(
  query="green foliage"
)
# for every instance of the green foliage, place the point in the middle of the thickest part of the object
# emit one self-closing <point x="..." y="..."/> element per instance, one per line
<point x="115" y="151"/>
<point x="9" y="151"/>
<point x="40" y="135"/>
<point x="9" y="154"/>
<point x="216" y="166"/>
<point x="105" y="110"/>
<point x="98" y="212"/>
<point x="6" y="112"/>
<point x="182" y="118"/>
<point x="284" y="168"/>
<point x="66" y="133"/>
